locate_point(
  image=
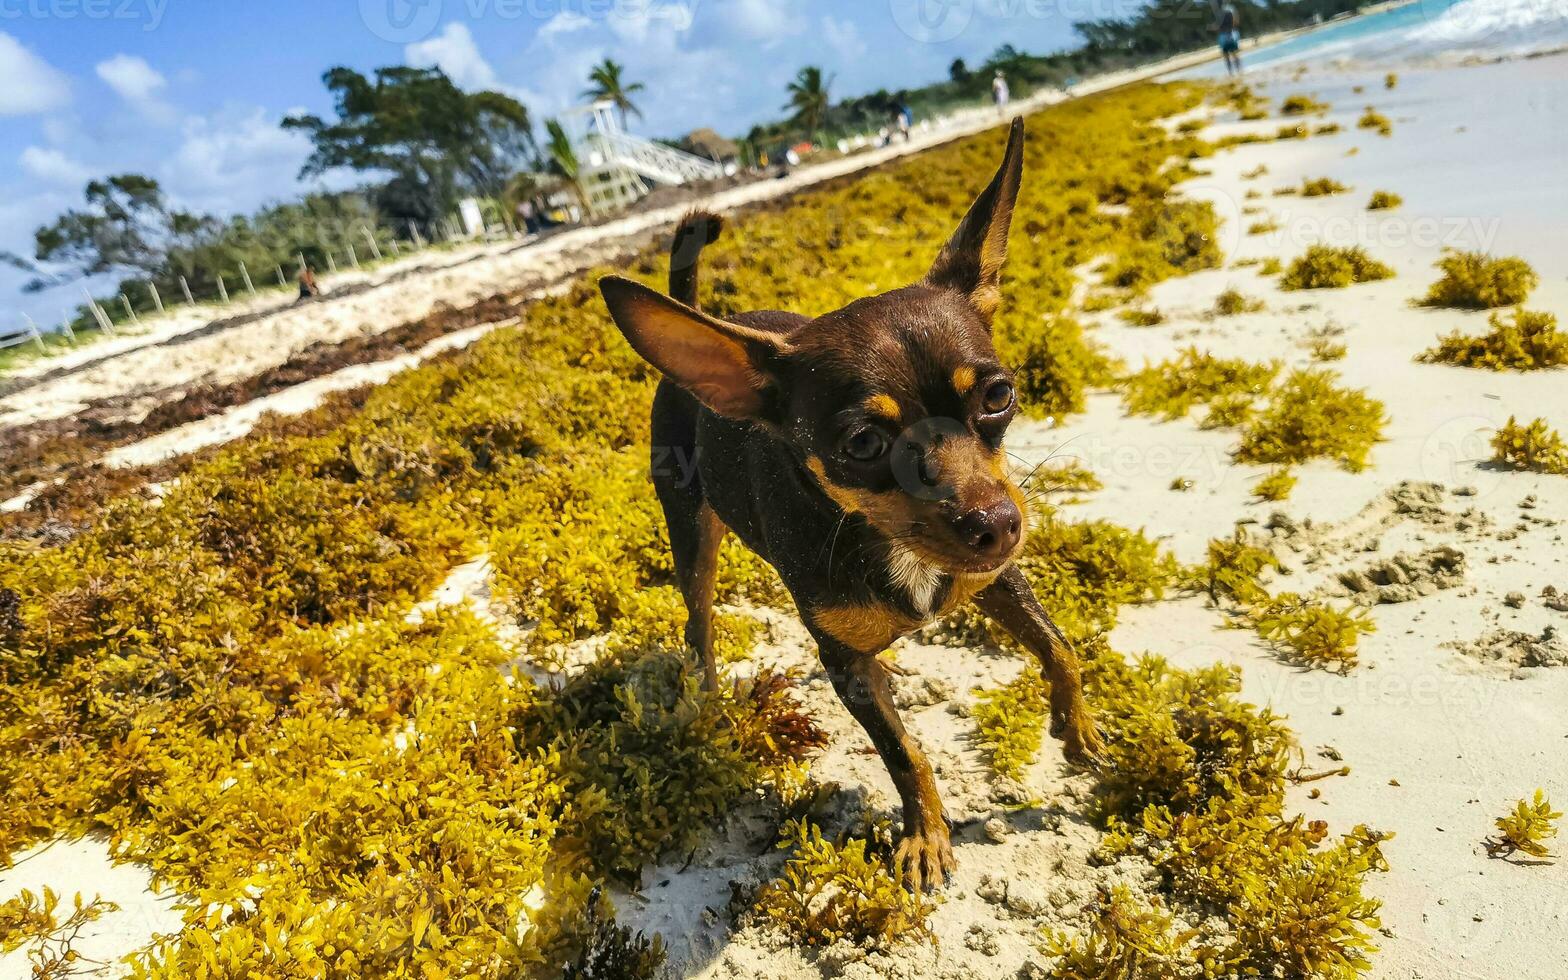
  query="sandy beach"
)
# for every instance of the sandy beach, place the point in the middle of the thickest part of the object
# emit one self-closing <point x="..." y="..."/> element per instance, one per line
<point x="1438" y="742"/>
<point x="1439" y="737"/>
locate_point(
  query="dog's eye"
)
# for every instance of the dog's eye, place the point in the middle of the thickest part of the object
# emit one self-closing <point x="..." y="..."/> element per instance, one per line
<point x="865" y="445"/>
<point x="998" y="397"/>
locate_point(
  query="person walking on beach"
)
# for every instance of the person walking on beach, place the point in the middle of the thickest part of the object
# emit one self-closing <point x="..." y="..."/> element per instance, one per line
<point x="1230" y="38"/>
<point x="999" y="92"/>
<point x="307" y="283"/>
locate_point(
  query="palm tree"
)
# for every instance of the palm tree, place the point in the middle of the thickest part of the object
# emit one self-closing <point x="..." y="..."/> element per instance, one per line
<point x="808" y="96"/>
<point x="563" y="161"/>
<point x="608" y="85"/>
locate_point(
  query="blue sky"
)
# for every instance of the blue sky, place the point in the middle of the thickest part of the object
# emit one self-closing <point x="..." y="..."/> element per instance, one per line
<point x="191" y="91"/>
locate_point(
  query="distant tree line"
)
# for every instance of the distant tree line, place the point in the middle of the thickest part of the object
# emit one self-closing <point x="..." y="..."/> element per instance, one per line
<point x="1158" y="30"/>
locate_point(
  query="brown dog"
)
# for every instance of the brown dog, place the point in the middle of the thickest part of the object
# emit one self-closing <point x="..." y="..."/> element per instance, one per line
<point x="860" y="453"/>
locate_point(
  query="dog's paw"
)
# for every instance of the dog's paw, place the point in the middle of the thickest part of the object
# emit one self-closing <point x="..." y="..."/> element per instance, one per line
<point x="925" y="858"/>
<point x="1082" y="745"/>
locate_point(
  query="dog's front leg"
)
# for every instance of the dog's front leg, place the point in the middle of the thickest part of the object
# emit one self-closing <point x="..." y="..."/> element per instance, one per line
<point x="1012" y="604"/>
<point x="925" y="853"/>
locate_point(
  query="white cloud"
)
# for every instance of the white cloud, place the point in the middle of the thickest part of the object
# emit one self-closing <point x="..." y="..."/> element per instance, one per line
<point x="138" y="83"/>
<point x="52" y="166"/>
<point x="132" y="78"/>
<point x="235" y="161"/>
<point x="565" y="22"/>
<point x="843" y="37"/>
<point x="28" y="84"/>
<point x="454" y="52"/>
<point x="763" y="20"/>
<point x="635" y="23"/>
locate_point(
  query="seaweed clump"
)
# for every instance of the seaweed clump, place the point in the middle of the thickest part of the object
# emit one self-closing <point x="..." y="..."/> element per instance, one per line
<point x="1233" y="301"/>
<point x="1233" y="571"/>
<point x="1141" y="316"/>
<point x="840" y="890"/>
<point x="1476" y="281"/>
<point x="1528" y="343"/>
<point x="1321" y="187"/>
<point x="1170" y="238"/>
<point x="1276" y="486"/>
<point x="608" y="951"/>
<point x="1312" y="633"/>
<point x="1194" y="785"/>
<point x="1301" y="105"/>
<point x="1376" y="121"/>
<point x="1328" y="267"/>
<point x="1525" y="829"/>
<point x="1384" y="201"/>
<point x="1054" y="364"/>
<point x="1310" y="417"/>
<point x="35" y="921"/>
<point x="1534" y="447"/>
<point x="1170" y="389"/>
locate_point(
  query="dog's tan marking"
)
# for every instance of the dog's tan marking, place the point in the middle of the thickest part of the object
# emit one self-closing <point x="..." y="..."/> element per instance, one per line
<point x="847" y="499"/>
<point x="883" y="406"/>
<point x="867" y="627"/>
<point x="963" y="379"/>
<point x="965" y="585"/>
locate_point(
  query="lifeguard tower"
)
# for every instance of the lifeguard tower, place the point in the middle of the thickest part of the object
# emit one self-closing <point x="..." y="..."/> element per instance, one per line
<point x="619" y="168"/>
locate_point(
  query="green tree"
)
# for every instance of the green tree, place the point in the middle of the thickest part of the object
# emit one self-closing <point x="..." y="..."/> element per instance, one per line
<point x="958" y="71"/>
<point x="605" y="82"/>
<point x="126" y="225"/>
<point x="563" y="161"/>
<point x="808" y="98"/>
<point x="436" y="140"/>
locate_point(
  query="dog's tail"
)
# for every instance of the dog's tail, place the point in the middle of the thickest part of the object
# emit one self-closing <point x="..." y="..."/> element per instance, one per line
<point x="696" y="230"/>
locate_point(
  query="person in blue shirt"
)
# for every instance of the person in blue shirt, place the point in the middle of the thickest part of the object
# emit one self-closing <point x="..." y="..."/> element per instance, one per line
<point x="1230" y="39"/>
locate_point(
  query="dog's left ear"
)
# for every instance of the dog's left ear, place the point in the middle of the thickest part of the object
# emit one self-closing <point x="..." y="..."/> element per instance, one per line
<point x="971" y="261"/>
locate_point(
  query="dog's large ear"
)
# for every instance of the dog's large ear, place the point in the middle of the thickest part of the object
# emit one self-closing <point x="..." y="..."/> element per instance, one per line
<point x="727" y="366"/>
<point x="971" y="261"/>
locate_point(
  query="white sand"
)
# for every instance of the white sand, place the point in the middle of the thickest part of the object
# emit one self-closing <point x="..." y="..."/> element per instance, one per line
<point x="1462" y="740"/>
<point x="238" y="421"/>
<point x="85" y="867"/>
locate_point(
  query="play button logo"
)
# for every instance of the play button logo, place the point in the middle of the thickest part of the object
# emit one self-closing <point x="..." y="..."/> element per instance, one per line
<point x="400" y="21"/>
<point x="932" y="21"/>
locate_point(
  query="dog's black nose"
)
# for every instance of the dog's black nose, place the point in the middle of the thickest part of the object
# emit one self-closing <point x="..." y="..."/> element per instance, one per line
<point x="991" y="531"/>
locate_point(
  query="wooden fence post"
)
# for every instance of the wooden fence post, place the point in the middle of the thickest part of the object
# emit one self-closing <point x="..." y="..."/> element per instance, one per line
<point x="130" y="310"/>
<point x="374" y="248"/>
<point x="223" y="290"/>
<point x="245" y="275"/>
<point x="185" y="288"/>
<point x="104" y="323"/>
<point x="32" y="328"/>
<point x="157" y="300"/>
